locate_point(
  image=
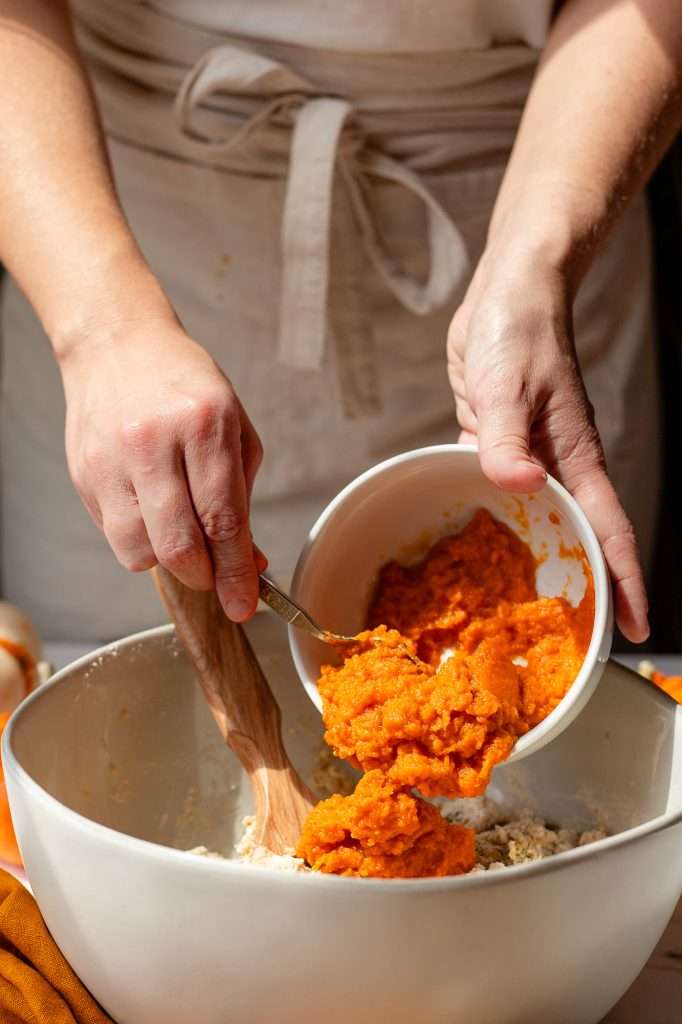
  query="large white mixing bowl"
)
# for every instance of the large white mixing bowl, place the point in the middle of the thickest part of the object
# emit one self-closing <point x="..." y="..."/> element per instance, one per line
<point x="397" y="509"/>
<point x="118" y="759"/>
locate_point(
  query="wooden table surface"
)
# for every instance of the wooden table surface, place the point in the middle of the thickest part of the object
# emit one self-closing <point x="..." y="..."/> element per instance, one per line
<point x="656" y="995"/>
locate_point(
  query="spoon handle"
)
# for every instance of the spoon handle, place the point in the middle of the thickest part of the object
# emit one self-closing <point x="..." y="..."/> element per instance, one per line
<point x="243" y="706"/>
<point x="286" y="608"/>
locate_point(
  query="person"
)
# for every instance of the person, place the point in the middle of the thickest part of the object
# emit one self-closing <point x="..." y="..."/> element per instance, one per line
<point x="309" y="198"/>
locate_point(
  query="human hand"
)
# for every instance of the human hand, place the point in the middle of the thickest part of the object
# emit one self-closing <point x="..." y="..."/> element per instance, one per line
<point x="164" y="456"/>
<point x="520" y="397"/>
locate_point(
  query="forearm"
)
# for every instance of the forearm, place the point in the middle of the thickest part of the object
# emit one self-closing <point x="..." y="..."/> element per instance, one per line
<point x="606" y="102"/>
<point x="158" y="444"/>
<point x="62" y="233"/>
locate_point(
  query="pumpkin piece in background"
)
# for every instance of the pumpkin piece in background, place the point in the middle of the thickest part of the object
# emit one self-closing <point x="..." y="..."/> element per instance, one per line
<point x="20" y="673"/>
<point x="9" y="851"/>
<point x="20" y="652"/>
<point x="13" y="687"/>
<point x="672" y="685"/>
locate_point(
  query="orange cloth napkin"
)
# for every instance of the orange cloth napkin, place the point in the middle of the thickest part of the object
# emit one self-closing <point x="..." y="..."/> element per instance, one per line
<point x="37" y="986"/>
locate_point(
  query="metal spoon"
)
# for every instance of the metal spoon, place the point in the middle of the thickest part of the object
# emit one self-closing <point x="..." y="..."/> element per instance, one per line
<point x="292" y="613"/>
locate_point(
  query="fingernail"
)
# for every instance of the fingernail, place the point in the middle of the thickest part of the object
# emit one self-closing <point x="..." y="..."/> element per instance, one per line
<point x="536" y="465"/>
<point x="237" y="610"/>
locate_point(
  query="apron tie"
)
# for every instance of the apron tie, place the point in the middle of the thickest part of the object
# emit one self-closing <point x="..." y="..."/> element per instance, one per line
<point x="321" y="136"/>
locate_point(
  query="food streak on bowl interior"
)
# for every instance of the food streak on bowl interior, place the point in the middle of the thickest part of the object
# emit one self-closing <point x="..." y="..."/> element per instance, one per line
<point x="543" y="554"/>
<point x="518" y="512"/>
<point x="575" y="554"/>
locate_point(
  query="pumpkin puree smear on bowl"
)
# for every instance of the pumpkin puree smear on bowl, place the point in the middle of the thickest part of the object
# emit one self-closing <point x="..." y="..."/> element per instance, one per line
<point x="494" y="660"/>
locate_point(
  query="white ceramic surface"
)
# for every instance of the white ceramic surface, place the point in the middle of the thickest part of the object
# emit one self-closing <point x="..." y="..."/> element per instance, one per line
<point x="119" y="754"/>
<point x="396" y="510"/>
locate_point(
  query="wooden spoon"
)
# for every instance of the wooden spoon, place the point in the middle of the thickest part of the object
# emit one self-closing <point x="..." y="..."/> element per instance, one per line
<point x="243" y="706"/>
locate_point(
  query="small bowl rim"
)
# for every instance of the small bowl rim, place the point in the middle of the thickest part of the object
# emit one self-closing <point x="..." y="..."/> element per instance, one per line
<point x="248" y="872"/>
<point x="602" y="631"/>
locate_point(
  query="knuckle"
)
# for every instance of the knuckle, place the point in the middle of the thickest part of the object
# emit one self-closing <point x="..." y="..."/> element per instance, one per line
<point x="178" y="550"/>
<point x="580" y="450"/>
<point x="79" y="478"/>
<point x="138" y="435"/>
<point x="504" y="441"/>
<point x="252" y="454"/>
<point x="622" y="542"/>
<point x="90" y="461"/>
<point x="234" y="577"/>
<point x="129" y="542"/>
<point x="223" y="526"/>
<point x="506" y="438"/>
<point x="463" y="412"/>
<point x="207" y="413"/>
<point x="258" y="450"/>
<point x="138" y="561"/>
<point x="203" y="410"/>
<point x="502" y="388"/>
<point x="456" y="335"/>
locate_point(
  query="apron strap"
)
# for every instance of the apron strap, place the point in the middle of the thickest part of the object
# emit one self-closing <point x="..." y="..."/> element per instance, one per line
<point x="448" y="257"/>
<point x="306" y="232"/>
<point x="321" y="143"/>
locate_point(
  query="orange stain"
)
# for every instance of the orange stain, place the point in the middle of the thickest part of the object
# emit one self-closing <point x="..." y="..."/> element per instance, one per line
<point x="520" y="516"/>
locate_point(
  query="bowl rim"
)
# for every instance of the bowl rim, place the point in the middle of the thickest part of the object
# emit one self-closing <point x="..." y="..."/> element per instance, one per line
<point x="602" y="631"/>
<point x="253" y="873"/>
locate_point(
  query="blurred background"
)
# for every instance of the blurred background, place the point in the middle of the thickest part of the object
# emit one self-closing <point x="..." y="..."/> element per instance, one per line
<point x="665" y="585"/>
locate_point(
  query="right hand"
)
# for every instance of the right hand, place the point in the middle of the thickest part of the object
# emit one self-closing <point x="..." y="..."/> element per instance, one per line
<point x="164" y="456"/>
<point x="520" y="397"/>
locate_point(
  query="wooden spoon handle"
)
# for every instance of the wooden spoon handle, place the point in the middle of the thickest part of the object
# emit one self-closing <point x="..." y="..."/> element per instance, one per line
<point x="243" y="706"/>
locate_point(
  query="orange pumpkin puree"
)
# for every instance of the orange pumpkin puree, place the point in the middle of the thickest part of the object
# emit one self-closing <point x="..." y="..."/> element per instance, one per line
<point x="383" y="830"/>
<point x="442" y="724"/>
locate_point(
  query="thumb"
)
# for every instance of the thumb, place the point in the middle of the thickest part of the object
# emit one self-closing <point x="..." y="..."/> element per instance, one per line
<point x="503" y="444"/>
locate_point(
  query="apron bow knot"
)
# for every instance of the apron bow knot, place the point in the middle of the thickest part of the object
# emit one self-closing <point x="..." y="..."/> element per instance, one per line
<point x="323" y="137"/>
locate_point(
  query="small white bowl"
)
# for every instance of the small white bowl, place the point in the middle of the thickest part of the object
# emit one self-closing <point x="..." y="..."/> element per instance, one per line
<point x="396" y="510"/>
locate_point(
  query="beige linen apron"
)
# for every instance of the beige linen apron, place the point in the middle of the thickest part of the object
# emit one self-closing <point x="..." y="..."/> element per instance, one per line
<point x="315" y="215"/>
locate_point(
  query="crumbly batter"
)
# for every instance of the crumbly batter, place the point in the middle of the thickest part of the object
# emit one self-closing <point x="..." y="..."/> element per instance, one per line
<point x="251" y="852"/>
<point x="502" y="839"/>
